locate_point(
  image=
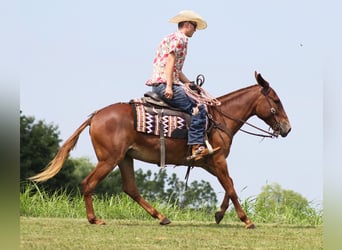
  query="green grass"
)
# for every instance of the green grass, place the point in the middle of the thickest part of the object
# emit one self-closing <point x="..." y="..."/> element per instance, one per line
<point x="57" y="221"/>
<point x="62" y="205"/>
<point x="64" y="233"/>
<point x="37" y="203"/>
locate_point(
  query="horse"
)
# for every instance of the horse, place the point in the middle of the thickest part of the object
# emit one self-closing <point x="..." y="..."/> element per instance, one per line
<point x="117" y="143"/>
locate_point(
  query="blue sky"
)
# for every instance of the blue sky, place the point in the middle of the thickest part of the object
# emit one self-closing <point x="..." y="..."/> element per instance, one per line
<point x="79" y="56"/>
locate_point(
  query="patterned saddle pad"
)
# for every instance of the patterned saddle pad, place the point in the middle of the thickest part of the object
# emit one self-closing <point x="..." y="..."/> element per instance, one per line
<point x="148" y="119"/>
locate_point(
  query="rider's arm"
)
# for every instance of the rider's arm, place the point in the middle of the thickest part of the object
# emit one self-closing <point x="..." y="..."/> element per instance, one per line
<point x="183" y="78"/>
<point x="169" y="67"/>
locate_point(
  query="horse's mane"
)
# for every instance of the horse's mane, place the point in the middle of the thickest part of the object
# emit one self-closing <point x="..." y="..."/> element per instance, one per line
<point x="236" y="93"/>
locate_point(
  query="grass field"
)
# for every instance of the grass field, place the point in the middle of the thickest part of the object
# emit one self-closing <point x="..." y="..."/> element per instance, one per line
<point x="64" y="233"/>
<point x="57" y="221"/>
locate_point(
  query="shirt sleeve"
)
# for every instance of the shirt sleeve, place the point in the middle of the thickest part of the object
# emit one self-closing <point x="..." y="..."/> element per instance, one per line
<point x="173" y="44"/>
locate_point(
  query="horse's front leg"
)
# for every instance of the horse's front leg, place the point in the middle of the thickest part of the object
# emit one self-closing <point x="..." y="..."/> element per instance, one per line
<point x="130" y="188"/>
<point x="224" y="206"/>
<point x="227" y="183"/>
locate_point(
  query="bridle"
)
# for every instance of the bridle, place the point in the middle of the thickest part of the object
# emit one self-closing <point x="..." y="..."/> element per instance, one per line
<point x="276" y="124"/>
<point x="266" y="134"/>
<point x="207" y="99"/>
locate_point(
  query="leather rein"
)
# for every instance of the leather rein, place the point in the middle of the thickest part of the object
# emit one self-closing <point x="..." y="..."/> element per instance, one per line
<point x="266" y="134"/>
<point x="224" y="128"/>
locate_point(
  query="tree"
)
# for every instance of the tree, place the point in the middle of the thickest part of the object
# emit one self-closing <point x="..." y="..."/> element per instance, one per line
<point x="277" y="202"/>
<point x="151" y="187"/>
<point x="39" y="142"/>
<point x="175" y="190"/>
<point x="199" y="195"/>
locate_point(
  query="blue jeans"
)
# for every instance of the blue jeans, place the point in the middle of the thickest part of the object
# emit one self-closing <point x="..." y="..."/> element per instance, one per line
<point x="182" y="101"/>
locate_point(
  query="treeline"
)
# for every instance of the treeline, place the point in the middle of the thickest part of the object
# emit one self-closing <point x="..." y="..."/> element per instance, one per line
<point x="39" y="142"/>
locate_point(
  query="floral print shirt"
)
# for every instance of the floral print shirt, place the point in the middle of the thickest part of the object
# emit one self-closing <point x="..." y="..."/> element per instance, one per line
<point x="175" y="42"/>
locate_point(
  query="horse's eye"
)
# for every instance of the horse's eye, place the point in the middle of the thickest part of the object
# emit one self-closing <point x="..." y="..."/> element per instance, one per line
<point x="273" y="111"/>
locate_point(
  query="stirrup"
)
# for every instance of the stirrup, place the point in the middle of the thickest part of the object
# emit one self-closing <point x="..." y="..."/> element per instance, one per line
<point x="203" y="152"/>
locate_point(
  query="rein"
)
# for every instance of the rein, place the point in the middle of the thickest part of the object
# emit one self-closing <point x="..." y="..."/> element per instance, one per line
<point x="197" y="93"/>
<point x="268" y="134"/>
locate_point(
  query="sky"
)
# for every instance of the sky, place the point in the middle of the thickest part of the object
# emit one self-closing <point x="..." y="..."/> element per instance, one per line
<point x="79" y="56"/>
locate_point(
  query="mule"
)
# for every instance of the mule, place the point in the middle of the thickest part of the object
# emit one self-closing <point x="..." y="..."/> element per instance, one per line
<point x="117" y="143"/>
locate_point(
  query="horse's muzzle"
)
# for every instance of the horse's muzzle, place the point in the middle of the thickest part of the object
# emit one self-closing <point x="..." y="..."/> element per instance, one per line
<point x="284" y="129"/>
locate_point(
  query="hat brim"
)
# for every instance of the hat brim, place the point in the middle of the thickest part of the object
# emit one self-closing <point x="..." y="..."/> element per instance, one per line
<point x="190" y="16"/>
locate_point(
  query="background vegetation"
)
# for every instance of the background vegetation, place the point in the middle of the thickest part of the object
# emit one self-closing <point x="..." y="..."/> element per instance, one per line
<point x="39" y="203"/>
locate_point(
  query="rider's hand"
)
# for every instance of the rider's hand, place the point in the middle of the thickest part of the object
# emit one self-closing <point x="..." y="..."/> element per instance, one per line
<point x="168" y="93"/>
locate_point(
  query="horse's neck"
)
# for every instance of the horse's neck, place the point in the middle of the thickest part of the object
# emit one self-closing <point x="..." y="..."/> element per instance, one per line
<point x="239" y="106"/>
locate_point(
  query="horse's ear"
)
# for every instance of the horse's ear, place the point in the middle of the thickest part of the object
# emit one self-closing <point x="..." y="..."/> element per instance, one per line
<point x="261" y="81"/>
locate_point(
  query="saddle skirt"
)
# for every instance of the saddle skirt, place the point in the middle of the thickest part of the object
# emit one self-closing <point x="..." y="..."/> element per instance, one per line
<point x="155" y="117"/>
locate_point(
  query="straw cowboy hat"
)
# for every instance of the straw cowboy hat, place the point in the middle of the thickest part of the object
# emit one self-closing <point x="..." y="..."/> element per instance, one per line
<point x="189" y="15"/>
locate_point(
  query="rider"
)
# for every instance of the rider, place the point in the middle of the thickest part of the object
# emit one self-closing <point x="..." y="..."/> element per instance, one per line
<point x="167" y="77"/>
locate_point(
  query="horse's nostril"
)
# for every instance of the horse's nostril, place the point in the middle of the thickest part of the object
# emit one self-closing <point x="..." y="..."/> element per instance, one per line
<point x="285" y="132"/>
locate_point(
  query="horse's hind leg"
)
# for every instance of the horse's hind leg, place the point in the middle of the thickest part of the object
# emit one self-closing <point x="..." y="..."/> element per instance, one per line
<point x="88" y="186"/>
<point x="130" y="188"/>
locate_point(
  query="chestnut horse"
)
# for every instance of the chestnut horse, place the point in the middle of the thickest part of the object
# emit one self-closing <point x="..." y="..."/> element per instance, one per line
<point x="116" y="142"/>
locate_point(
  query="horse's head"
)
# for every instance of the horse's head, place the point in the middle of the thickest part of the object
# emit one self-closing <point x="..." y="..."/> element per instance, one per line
<point x="270" y="109"/>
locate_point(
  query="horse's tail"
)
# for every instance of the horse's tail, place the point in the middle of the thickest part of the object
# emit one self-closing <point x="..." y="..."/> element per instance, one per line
<point x="56" y="164"/>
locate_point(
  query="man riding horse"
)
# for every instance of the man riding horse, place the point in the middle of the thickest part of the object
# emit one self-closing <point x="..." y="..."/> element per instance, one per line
<point x="116" y="141"/>
<point x="167" y="78"/>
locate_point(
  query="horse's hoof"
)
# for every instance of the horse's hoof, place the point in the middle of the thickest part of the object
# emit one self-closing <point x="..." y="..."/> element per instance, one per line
<point x="97" y="221"/>
<point x="165" y="221"/>
<point x="100" y="222"/>
<point x="218" y="217"/>
<point x="250" y="226"/>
